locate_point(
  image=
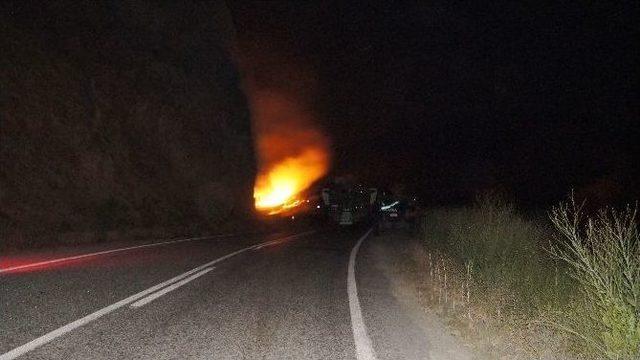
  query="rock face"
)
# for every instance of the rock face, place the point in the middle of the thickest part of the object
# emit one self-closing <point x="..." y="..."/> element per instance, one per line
<point x="117" y="116"/>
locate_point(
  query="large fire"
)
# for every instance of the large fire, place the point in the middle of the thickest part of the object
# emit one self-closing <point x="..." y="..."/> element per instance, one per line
<point x="278" y="188"/>
<point x="292" y="152"/>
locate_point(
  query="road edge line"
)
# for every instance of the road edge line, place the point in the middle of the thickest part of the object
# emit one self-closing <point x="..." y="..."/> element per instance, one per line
<point x="364" y="348"/>
<point x="111" y="251"/>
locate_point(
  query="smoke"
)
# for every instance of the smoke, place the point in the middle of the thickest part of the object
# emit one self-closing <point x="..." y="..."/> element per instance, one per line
<point x="283" y="127"/>
<point x="292" y="150"/>
<point x="282" y="88"/>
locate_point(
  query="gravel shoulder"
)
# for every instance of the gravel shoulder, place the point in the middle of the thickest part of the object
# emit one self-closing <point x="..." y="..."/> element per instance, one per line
<point x="404" y="329"/>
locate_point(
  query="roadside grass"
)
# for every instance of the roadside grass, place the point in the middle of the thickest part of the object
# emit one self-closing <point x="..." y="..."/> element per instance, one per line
<point x="522" y="288"/>
<point x="489" y="274"/>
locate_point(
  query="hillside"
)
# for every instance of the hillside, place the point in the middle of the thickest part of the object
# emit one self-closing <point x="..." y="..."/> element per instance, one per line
<point x="130" y="116"/>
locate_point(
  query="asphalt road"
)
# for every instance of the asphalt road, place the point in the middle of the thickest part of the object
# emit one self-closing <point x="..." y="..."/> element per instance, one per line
<point x="311" y="296"/>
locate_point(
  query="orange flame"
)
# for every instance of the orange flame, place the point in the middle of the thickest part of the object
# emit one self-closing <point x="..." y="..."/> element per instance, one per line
<point x="278" y="188"/>
<point x="293" y="154"/>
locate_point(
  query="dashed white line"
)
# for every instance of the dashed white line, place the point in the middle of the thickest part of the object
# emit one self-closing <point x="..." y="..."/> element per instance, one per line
<point x="48" y="337"/>
<point x="364" y="349"/>
<point x="21" y="350"/>
<point x="169" y="288"/>
<point x="105" y="252"/>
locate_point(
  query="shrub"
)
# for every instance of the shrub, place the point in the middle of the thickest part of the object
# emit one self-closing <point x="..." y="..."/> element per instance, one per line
<point x="603" y="255"/>
<point x="503" y="246"/>
<point x="490" y="262"/>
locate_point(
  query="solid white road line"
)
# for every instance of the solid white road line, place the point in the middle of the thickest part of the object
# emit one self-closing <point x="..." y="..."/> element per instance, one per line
<point x="169" y="288"/>
<point x="76" y="257"/>
<point x="364" y="349"/>
<point x="33" y="344"/>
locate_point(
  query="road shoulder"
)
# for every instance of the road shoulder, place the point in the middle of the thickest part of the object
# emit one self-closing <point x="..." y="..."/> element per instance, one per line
<point x="399" y="325"/>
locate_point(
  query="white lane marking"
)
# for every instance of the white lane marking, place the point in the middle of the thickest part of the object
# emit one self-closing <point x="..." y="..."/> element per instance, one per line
<point x="169" y="288"/>
<point x="33" y="344"/>
<point x="364" y="349"/>
<point x="76" y="257"/>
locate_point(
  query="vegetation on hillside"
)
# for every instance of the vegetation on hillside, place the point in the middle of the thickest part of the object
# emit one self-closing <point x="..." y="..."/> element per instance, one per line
<point x="118" y="116"/>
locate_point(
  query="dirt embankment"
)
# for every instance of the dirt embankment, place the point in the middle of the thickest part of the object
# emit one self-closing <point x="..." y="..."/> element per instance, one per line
<point x="119" y="118"/>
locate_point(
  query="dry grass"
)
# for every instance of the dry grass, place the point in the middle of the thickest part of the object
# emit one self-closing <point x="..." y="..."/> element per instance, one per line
<point x="488" y="273"/>
<point x="522" y="289"/>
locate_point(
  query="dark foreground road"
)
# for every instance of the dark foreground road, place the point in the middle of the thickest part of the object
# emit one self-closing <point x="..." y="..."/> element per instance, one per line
<point x="219" y="298"/>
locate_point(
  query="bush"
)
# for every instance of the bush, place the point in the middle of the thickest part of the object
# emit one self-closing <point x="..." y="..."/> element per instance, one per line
<point x="490" y="264"/>
<point x="603" y="255"/>
<point x="503" y="247"/>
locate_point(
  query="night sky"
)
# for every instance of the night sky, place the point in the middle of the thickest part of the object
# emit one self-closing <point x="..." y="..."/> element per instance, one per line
<point x="452" y="99"/>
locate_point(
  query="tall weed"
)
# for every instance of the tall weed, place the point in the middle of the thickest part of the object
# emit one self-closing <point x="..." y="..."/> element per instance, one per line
<point x="490" y="262"/>
<point x="603" y="255"/>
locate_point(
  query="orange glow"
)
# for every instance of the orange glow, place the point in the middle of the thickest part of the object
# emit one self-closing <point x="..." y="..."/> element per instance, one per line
<point x="277" y="189"/>
<point x="292" y="152"/>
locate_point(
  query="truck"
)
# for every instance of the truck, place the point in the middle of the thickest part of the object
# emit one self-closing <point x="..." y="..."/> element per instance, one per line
<point x="347" y="204"/>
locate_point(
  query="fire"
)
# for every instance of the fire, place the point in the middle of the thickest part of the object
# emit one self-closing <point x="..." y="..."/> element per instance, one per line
<point x="292" y="152"/>
<point x="279" y="187"/>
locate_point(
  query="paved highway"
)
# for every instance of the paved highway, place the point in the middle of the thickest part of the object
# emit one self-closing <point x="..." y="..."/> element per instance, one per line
<point x="320" y="294"/>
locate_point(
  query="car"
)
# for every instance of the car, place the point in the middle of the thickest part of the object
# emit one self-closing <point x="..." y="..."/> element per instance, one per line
<point x="391" y="215"/>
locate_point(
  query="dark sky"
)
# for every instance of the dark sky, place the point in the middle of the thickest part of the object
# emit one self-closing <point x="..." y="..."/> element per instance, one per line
<point x="454" y="99"/>
<point x="450" y="99"/>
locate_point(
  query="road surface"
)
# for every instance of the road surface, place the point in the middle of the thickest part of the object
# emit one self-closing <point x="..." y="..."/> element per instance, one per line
<point x="314" y="295"/>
